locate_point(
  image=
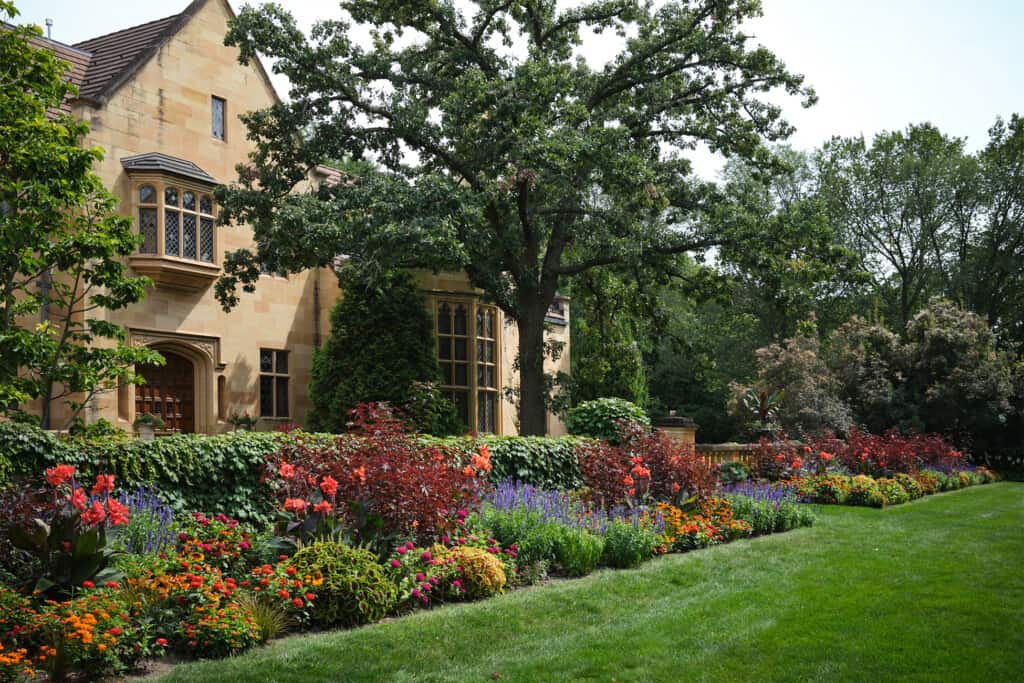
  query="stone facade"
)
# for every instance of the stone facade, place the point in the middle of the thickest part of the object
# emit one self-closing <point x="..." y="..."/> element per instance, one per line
<point x="165" y="108"/>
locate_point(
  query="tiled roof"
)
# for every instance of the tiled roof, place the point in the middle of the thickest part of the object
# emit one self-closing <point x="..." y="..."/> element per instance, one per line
<point x="117" y="56"/>
<point x="78" y="59"/>
<point x="164" y="163"/>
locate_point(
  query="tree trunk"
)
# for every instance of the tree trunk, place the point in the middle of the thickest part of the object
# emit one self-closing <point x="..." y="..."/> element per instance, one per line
<point x="532" y="390"/>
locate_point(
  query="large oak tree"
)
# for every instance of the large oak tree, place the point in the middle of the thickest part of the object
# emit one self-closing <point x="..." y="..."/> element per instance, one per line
<point x="503" y="152"/>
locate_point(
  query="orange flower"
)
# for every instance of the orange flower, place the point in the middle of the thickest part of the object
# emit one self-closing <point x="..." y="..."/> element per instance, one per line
<point x="627" y="480"/>
<point x="287" y="471"/>
<point x="94" y="515"/>
<point x="78" y="499"/>
<point x="104" y="484"/>
<point x="360" y="474"/>
<point x="56" y="476"/>
<point x="295" y="504"/>
<point x="329" y="486"/>
<point x="323" y="507"/>
<point x="117" y="511"/>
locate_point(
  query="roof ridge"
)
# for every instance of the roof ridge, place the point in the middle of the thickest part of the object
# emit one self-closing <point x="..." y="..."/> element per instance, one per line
<point x="122" y="30"/>
<point x="42" y="38"/>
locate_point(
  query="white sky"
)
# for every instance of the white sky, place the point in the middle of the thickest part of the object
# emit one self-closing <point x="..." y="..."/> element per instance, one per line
<point x="876" y="64"/>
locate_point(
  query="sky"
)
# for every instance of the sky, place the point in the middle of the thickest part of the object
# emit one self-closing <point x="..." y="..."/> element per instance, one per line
<point x="875" y="64"/>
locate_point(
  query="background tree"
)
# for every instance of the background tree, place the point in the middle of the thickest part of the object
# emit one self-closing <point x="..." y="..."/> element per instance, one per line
<point x="381" y="348"/>
<point x="60" y="243"/>
<point x="504" y="154"/>
<point x="895" y="204"/>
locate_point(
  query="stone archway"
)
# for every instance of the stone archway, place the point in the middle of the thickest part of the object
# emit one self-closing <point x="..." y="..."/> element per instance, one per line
<point x="169" y="392"/>
<point x="184" y="352"/>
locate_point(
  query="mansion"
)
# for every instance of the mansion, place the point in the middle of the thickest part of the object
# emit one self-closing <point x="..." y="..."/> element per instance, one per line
<point x="163" y="100"/>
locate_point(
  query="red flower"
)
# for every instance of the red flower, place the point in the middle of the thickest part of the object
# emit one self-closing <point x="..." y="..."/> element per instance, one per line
<point x="78" y="499"/>
<point x="104" y="484"/>
<point x="310" y="597"/>
<point x="297" y="602"/>
<point x="111" y="584"/>
<point x="116" y="631"/>
<point x="162" y="642"/>
<point x="627" y="480"/>
<point x="118" y="512"/>
<point x="291" y="571"/>
<point x="826" y="456"/>
<point x="88" y="584"/>
<point x="283" y="593"/>
<point x="94" y="515"/>
<point x="323" y="507"/>
<point x="675" y="487"/>
<point x="56" y="476"/>
<point x="329" y="486"/>
<point x="797" y="462"/>
<point x="295" y="504"/>
<point x="287" y="471"/>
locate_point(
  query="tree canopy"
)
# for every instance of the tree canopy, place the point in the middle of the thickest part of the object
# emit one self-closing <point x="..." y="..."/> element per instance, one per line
<point x="60" y="242"/>
<point x="503" y="152"/>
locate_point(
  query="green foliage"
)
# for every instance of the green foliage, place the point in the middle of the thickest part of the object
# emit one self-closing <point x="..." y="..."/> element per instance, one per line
<point x="584" y="168"/>
<point x="356" y="589"/>
<point x="544" y="462"/>
<point x="428" y="411"/>
<point x="628" y="545"/>
<point x="181" y="466"/>
<point x="599" y="418"/>
<point x="270" y="617"/>
<point x="826" y="488"/>
<point x="578" y="551"/>
<point x="732" y="472"/>
<point x="767" y="517"/>
<point x="62" y="243"/>
<point x="910" y="485"/>
<point x="535" y="537"/>
<point x="892" y="491"/>
<point x="381" y="345"/>
<point x="864" y="491"/>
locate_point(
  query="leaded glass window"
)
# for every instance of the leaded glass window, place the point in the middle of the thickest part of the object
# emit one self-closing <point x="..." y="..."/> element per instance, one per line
<point x="188" y="226"/>
<point x="147" y="228"/>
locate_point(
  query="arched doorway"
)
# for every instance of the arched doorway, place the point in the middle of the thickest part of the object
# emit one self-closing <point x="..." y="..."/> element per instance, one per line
<point x="169" y="392"/>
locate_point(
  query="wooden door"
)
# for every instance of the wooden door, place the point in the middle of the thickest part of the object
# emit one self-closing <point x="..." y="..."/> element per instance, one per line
<point x="169" y="392"/>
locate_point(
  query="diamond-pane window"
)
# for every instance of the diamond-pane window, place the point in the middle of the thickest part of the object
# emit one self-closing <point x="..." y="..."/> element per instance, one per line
<point x="172" y="237"/>
<point x="188" y="236"/>
<point x="147" y="195"/>
<point x="147" y="228"/>
<point x="205" y="204"/>
<point x="206" y="239"/>
<point x="188" y="201"/>
<point x="171" y="196"/>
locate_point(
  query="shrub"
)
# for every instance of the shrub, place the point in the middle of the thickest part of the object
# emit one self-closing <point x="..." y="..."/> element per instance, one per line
<point x="95" y="635"/>
<point x="628" y="545"/>
<point x="355" y="589"/>
<point x="481" y="573"/>
<point x="268" y="615"/>
<point x="732" y="472"/>
<point x="929" y="481"/>
<point x="395" y="316"/>
<point x="545" y="462"/>
<point x="381" y="482"/>
<point x="578" y="551"/>
<point x="211" y="631"/>
<point x="910" y="485"/>
<point x="645" y="464"/>
<point x="892" y="491"/>
<point x="825" y="488"/>
<point x="890" y="453"/>
<point x="773" y="459"/>
<point x="534" y="535"/>
<point x="600" y="418"/>
<point x="151" y="527"/>
<point x="768" y="508"/>
<point x="864" y="491"/>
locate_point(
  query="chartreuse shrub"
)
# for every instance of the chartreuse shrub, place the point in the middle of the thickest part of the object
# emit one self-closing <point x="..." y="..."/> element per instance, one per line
<point x="481" y="573"/>
<point x="599" y="419"/>
<point x="893" y="491"/>
<point x="355" y="588"/>
<point x="864" y="491"/>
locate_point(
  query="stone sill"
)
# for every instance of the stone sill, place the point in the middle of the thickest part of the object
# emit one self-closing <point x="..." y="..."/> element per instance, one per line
<point x="175" y="273"/>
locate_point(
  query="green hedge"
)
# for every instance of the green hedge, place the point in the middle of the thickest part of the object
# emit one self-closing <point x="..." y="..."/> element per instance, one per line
<point x="547" y="463"/>
<point x="221" y="473"/>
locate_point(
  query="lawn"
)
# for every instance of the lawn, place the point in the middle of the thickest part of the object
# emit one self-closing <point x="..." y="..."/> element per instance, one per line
<point x="931" y="590"/>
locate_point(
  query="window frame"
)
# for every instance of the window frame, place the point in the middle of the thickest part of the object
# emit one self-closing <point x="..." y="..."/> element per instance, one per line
<point x="160" y="184"/>
<point x="223" y="118"/>
<point x="275" y="375"/>
<point x="473" y="362"/>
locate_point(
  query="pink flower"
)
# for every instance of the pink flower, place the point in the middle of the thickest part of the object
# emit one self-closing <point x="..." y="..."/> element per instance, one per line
<point x="420" y="577"/>
<point x="416" y="592"/>
<point x="410" y="545"/>
<point x="401" y="550"/>
<point x="426" y="555"/>
<point x="396" y="563"/>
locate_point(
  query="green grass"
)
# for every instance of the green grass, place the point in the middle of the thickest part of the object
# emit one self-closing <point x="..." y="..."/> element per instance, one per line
<point x="931" y="590"/>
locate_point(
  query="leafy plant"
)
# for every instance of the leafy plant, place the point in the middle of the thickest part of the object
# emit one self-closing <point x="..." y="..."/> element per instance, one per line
<point x="628" y="545"/>
<point x="864" y="491"/>
<point x="68" y="541"/>
<point x="356" y="589"/>
<point x="578" y="551"/>
<point x="600" y="418"/>
<point x="480" y="572"/>
<point x="151" y="420"/>
<point x="732" y="472"/>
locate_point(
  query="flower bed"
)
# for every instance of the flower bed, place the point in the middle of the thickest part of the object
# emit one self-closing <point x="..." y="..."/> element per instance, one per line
<point x="365" y="526"/>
